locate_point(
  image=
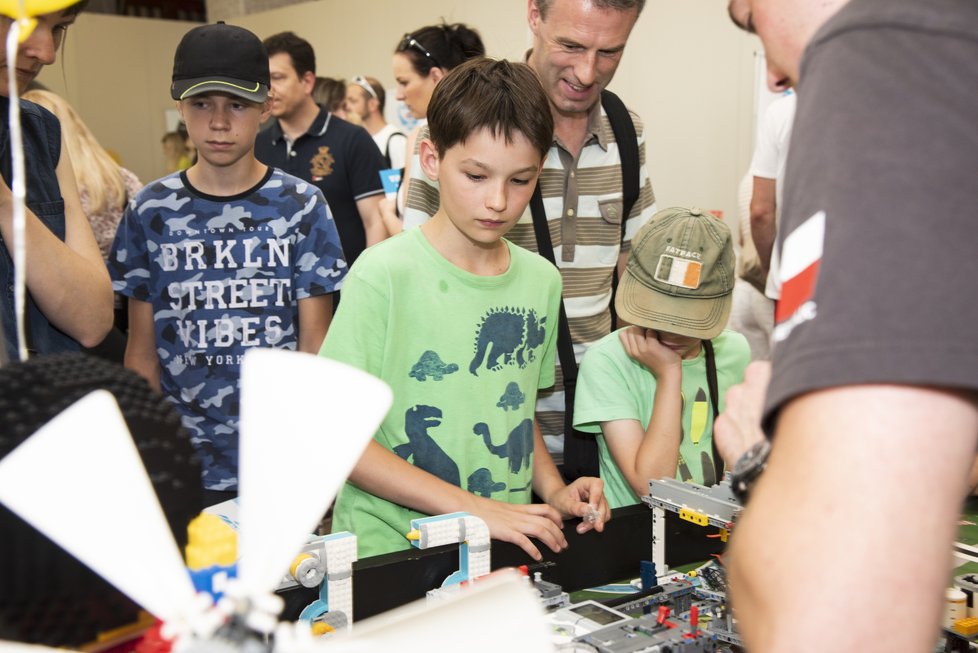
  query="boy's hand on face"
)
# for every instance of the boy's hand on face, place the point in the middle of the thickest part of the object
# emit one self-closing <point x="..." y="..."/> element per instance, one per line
<point x="642" y="345"/>
<point x="516" y="523"/>
<point x="583" y="498"/>
<point x="739" y="425"/>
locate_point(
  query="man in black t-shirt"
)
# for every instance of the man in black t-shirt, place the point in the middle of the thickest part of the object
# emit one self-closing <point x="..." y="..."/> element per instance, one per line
<point x="873" y="396"/>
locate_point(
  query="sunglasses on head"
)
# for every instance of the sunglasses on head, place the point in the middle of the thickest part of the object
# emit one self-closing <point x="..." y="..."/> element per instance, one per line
<point x="362" y="82"/>
<point x="414" y="43"/>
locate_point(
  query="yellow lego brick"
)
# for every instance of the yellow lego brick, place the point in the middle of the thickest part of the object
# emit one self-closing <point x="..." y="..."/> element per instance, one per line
<point x="693" y="516"/>
<point x="966" y="625"/>
<point x="210" y="542"/>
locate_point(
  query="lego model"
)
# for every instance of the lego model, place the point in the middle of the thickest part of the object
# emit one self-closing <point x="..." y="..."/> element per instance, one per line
<point x="962" y="633"/>
<point x="653" y="634"/>
<point x="714" y="506"/>
<point x="552" y="596"/>
<point x="212" y="554"/>
<point x="468" y="531"/>
<point x="698" y="504"/>
<point x="282" y="494"/>
<point x="326" y="561"/>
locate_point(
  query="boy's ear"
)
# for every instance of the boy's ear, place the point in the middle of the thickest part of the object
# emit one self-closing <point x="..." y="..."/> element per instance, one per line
<point x="430" y="160"/>
<point x="180" y="110"/>
<point x="266" y="108"/>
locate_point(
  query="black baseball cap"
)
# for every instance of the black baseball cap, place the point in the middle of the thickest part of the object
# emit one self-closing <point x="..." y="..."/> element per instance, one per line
<point x="222" y="58"/>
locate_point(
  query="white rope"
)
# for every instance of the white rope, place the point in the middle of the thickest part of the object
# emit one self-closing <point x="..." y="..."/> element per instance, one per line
<point x="18" y="189"/>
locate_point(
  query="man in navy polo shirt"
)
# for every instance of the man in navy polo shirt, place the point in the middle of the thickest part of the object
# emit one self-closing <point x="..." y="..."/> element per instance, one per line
<point x="309" y="142"/>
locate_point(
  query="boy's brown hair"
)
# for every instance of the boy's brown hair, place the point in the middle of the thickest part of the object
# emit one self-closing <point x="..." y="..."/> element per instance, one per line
<point x="504" y="97"/>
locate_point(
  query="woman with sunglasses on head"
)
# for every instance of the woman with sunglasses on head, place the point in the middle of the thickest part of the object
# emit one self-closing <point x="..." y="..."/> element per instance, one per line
<point x="69" y="295"/>
<point x="421" y="59"/>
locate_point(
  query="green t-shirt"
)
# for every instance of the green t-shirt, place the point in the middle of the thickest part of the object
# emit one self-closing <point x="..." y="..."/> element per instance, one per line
<point x="464" y="355"/>
<point x="612" y="386"/>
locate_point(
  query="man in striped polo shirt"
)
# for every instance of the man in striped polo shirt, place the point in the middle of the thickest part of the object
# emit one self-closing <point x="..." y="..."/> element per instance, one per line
<point x="581" y="182"/>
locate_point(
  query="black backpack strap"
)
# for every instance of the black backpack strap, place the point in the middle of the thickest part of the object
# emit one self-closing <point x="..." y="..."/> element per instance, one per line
<point x="580" y="449"/>
<point x="627" y="141"/>
<point x="713" y="386"/>
<point x="565" y="346"/>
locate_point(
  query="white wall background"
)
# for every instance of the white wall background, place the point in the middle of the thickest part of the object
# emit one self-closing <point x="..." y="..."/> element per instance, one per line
<point x="687" y="71"/>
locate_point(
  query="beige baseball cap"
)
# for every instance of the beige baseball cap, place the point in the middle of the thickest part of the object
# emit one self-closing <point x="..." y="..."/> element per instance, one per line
<point x="680" y="274"/>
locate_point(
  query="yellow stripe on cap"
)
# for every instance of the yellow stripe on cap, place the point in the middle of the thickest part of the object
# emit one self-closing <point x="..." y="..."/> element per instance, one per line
<point x="242" y="88"/>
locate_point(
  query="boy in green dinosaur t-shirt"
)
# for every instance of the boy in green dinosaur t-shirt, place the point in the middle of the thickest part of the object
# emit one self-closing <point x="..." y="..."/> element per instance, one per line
<point x="462" y="325"/>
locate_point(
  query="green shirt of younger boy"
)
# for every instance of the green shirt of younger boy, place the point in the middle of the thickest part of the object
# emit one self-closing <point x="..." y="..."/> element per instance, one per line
<point x="462" y="325"/>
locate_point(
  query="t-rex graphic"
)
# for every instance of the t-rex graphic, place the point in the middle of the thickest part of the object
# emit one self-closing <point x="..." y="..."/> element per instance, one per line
<point x="481" y="483"/>
<point x="426" y="452"/>
<point x="518" y="447"/>
<point x="510" y="334"/>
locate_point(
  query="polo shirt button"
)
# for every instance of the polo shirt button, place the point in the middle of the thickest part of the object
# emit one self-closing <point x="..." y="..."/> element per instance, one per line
<point x="570" y="212"/>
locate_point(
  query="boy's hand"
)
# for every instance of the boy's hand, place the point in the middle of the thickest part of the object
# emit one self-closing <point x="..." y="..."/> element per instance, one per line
<point x="515" y="522"/>
<point x="583" y="498"/>
<point x="643" y="346"/>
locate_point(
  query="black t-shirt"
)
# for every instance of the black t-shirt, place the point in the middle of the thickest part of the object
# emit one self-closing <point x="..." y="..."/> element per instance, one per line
<point x="880" y="220"/>
<point x="338" y="157"/>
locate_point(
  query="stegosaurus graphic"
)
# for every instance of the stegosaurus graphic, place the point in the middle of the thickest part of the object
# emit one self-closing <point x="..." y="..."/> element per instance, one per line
<point x="510" y="334"/>
<point x="430" y="364"/>
<point x="481" y="483"/>
<point x="518" y="447"/>
<point x="427" y="454"/>
<point x="511" y="398"/>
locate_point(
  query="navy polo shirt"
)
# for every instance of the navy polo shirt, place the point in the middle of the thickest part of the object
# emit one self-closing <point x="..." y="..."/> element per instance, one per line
<point x="338" y="157"/>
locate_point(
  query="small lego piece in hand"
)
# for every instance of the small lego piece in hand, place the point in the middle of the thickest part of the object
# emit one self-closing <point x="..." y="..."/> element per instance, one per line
<point x="592" y="514"/>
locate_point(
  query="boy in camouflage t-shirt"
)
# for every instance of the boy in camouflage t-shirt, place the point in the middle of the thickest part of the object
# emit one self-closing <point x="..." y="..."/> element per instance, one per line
<point x="226" y="256"/>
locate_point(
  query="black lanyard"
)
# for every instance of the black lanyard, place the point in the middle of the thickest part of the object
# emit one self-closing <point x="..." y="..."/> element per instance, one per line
<point x="713" y="387"/>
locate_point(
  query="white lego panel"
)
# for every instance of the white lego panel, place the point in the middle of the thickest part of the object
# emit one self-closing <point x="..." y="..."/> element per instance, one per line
<point x="440" y="532"/>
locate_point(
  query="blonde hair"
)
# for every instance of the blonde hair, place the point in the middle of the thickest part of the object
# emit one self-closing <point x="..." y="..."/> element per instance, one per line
<point x="96" y="172"/>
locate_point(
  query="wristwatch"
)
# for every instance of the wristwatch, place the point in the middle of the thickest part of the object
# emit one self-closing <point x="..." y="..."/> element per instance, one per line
<point x="748" y="468"/>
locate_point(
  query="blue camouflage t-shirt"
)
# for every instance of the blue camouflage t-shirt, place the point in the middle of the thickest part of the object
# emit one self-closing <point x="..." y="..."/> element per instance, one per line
<point x="223" y="275"/>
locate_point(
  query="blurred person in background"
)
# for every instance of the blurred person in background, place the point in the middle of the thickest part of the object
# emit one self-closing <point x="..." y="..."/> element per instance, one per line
<point x="104" y="188"/>
<point x="69" y="295"/>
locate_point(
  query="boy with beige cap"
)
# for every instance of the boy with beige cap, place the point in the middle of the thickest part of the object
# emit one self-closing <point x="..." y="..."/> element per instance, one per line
<point x="650" y="392"/>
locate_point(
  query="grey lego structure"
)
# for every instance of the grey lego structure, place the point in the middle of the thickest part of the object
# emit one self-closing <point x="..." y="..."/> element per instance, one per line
<point x="699" y="504"/>
<point x="646" y="635"/>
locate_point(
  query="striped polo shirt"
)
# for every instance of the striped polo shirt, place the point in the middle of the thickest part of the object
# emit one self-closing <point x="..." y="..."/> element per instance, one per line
<point x="583" y="201"/>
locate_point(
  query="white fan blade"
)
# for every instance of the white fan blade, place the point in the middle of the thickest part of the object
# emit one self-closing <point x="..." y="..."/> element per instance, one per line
<point x="305" y="421"/>
<point x="456" y="624"/>
<point x="80" y="481"/>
